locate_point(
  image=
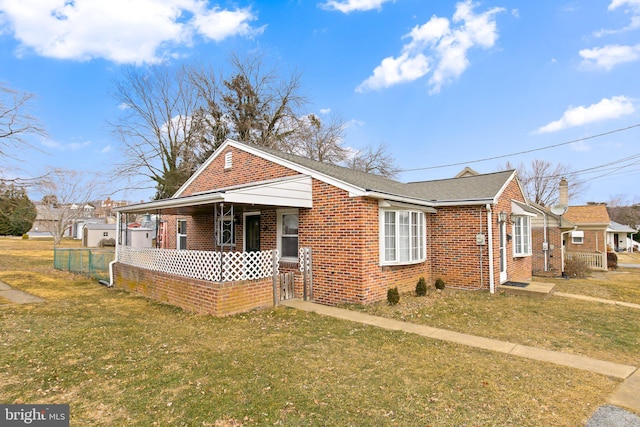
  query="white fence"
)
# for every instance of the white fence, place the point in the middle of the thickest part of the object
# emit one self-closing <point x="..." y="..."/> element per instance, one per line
<point x="594" y="260"/>
<point x="204" y="265"/>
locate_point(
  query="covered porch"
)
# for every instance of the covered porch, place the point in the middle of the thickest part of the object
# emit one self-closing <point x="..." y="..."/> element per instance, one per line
<point x="219" y="252"/>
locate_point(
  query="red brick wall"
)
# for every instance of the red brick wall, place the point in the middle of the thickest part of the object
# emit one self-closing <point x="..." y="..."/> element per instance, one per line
<point x="554" y="256"/>
<point x="343" y="233"/>
<point x="457" y="259"/>
<point x="199" y="296"/>
<point x="594" y="240"/>
<point x="246" y="168"/>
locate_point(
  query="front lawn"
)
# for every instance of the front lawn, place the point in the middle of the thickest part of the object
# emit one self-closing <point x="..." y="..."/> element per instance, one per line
<point x="118" y="359"/>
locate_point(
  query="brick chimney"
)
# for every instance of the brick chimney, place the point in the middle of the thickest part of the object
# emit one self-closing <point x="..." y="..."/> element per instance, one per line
<point x="564" y="192"/>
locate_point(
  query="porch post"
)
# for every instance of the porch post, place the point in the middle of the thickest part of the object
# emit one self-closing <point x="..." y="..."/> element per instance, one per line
<point x="274" y="261"/>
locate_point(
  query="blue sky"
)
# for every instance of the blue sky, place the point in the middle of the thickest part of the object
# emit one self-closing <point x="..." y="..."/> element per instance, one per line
<point x="440" y="82"/>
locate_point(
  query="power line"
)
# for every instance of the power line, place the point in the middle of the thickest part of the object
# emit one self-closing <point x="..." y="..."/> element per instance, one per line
<point x="523" y="152"/>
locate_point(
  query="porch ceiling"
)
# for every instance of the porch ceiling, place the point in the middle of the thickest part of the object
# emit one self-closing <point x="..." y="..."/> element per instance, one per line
<point x="292" y="192"/>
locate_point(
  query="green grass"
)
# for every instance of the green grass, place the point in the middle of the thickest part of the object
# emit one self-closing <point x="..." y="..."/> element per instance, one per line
<point x="118" y="359"/>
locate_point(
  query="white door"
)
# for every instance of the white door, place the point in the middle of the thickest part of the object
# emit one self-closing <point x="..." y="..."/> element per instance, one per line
<point x="503" y="252"/>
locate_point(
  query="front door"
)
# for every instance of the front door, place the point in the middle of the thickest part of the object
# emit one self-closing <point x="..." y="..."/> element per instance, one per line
<point x="503" y="252"/>
<point x="252" y="233"/>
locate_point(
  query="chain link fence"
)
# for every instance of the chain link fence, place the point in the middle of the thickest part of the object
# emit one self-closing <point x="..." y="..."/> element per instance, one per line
<point x="89" y="262"/>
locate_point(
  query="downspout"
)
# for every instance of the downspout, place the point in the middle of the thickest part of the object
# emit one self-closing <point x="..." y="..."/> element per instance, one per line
<point x="492" y="289"/>
<point x="118" y="231"/>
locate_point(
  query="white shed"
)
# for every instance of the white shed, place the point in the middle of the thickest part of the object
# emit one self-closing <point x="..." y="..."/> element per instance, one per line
<point x="96" y="235"/>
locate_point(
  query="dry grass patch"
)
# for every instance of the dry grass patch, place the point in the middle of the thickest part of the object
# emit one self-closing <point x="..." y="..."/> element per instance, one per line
<point x="118" y="359"/>
<point x="592" y="329"/>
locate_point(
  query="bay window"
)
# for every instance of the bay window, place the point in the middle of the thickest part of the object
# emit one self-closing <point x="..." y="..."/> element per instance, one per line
<point x="402" y="237"/>
<point x="521" y="236"/>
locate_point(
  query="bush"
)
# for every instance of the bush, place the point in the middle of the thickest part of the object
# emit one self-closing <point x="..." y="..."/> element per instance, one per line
<point x="612" y="260"/>
<point x="421" y="287"/>
<point x="393" y="296"/>
<point x="439" y="284"/>
<point x="576" y="267"/>
<point x="25" y="236"/>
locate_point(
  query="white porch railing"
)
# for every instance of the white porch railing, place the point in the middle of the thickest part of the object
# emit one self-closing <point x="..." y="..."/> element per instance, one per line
<point x="594" y="260"/>
<point x="203" y="265"/>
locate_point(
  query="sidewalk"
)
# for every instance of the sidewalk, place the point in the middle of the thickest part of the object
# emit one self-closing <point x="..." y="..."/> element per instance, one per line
<point x="16" y="296"/>
<point x="627" y="395"/>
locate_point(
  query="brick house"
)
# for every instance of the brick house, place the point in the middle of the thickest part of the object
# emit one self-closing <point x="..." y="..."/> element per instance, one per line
<point x="564" y="231"/>
<point x="366" y="233"/>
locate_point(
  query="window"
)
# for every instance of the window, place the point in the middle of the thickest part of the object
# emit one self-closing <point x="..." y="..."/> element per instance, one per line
<point x="288" y="234"/>
<point x="225" y="232"/>
<point x="577" y="237"/>
<point x="402" y="237"/>
<point x="521" y="236"/>
<point x="182" y="234"/>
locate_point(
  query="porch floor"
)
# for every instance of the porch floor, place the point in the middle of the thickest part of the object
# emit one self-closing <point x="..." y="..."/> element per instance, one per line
<point x="532" y="289"/>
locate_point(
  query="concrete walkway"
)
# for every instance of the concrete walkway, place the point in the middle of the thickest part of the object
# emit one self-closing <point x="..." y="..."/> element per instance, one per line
<point x="16" y="296"/>
<point x="600" y="300"/>
<point x="627" y="395"/>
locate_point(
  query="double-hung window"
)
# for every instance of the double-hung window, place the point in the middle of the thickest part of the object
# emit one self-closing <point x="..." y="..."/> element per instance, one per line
<point x="288" y="234"/>
<point x="521" y="236"/>
<point x="182" y="234"/>
<point x="402" y="236"/>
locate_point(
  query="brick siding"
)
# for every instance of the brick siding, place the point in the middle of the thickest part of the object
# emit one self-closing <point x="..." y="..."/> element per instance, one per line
<point x="343" y="233"/>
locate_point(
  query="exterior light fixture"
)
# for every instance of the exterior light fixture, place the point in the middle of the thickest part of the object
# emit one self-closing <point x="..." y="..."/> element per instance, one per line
<point x="502" y="216"/>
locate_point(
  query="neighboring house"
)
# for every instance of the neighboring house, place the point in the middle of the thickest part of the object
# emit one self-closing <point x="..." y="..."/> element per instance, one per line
<point x="590" y="234"/>
<point x="548" y="232"/>
<point x="248" y="208"/>
<point x="98" y="235"/>
<point x="620" y="237"/>
<point x="563" y="232"/>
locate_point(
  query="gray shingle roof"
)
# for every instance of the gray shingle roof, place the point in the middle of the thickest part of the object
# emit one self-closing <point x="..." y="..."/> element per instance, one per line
<point x="478" y="187"/>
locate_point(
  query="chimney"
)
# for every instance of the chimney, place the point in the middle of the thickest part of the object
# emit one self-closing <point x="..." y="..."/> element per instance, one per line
<point x="564" y="192"/>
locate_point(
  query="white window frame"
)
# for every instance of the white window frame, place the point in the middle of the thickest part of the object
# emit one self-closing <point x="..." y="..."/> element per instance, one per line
<point x="280" y="234"/>
<point x="521" y="240"/>
<point x="179" y="235"/>
<point x="407" y="241"/>
<point x="577" y="237"/>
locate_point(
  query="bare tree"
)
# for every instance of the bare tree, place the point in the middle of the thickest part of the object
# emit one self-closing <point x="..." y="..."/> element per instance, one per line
<point x="541" y="180"/>
<point x="16" y="123"/>
<point x="67" y="194"/>
<point x="157" y="128"/>
<point x="318" y="140"/>
<point x="376" y="160"/>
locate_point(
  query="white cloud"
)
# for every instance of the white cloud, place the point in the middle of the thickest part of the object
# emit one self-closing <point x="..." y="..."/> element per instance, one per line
<point x="71" y="146"/>
<point x="121" y="31"/>
<point x="632" y="7"/>
<point x="632" y="4"/>
<point x="396" y="70"/>
<point x="441" y="42"/>
<point x="609" y="56"/>
<point x="606" y="109"/>
<point x="325" y="111"/>
<point x="348" y="6"/>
